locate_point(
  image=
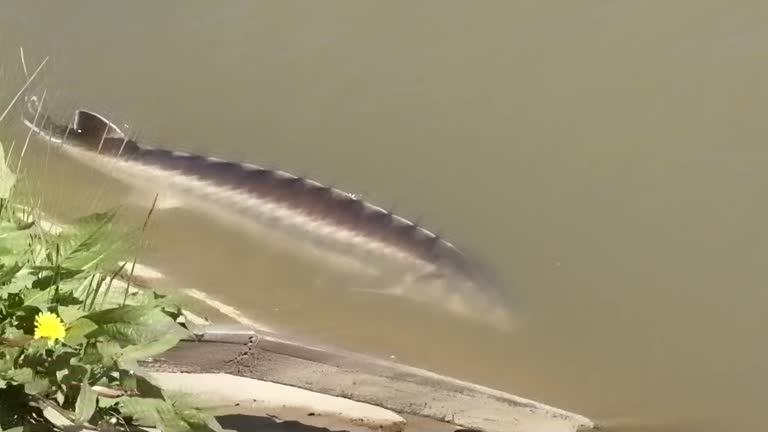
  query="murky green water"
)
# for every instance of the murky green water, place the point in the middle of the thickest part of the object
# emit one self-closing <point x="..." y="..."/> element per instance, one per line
<point x="608" y="157"/>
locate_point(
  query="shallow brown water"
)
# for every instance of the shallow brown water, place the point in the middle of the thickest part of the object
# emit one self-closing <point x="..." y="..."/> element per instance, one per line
<point x="608" y="157"/>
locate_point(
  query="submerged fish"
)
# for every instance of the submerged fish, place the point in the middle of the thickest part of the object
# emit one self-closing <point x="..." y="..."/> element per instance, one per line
<point x="326" y="221"/>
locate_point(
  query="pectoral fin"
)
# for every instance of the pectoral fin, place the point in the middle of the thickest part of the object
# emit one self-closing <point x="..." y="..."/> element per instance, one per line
<point x="165" y="200"/>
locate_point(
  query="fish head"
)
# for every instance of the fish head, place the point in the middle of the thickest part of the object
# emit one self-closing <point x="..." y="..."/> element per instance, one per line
<point x="466" y="298"/>
<point x="88" y="130"/>
<point x="468" y="286"/>
<point x="91" y="128"/>
<point x="484" y="300"/>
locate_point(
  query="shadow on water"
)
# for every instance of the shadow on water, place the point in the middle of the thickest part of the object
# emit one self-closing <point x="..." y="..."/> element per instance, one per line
<point x="243" y="423"/>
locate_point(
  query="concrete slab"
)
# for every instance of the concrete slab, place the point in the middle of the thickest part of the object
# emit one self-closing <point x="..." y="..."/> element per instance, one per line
<point x="229" y="394"/>
<point x="397" y="387"/>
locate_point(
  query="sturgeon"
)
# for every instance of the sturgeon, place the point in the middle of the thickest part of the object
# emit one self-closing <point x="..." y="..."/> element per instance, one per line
<point x="325" y="220"/>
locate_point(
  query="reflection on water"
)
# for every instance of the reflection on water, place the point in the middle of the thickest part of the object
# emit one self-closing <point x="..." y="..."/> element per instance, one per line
<point x="606" y="156"/>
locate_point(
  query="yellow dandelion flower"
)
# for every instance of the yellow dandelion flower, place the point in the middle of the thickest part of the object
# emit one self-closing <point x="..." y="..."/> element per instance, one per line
<point x="50" y="326"/>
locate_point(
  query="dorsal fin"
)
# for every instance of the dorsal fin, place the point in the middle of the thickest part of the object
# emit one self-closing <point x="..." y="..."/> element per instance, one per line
<point x="91" y="125"/>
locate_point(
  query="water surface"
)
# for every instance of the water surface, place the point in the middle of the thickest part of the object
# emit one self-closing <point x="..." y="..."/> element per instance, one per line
<point x="608" y="157"/>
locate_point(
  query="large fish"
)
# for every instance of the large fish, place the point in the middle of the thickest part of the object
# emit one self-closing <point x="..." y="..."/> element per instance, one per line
<point x="291" y="210"/>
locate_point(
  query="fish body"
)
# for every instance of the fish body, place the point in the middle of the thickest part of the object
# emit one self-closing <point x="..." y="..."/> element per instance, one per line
<point x="290" y="209"/>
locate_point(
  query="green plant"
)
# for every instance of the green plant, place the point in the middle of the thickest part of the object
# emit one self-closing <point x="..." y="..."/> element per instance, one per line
<point x="71" y="335"/>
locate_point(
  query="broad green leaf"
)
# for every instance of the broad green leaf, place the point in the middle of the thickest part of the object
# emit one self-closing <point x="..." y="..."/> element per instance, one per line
<point x="115" y="296"/>
<point x="45" y="298"/>
<point x="68" y="370"/>
<point x="91" y="354"/>
<point x="143" y="410"/>
<point x="86" y="403"/>
<point x="21" y="376"/>
<point x="186" y="406"/>
<point x="32" y="383"/>
<point x="170" y="420"/>
<point x="9" y="272"/>
<point x="164" y="415"/>
<point x="7" y="359"/>
<point x="37" y="385"/>
<point x="120" y="314"/>
<point x="7" y="177"/>
<point x="127" y="363"/>
<point x="60" y="277"/>
<point x="78" y="332"/>
<point x="15" y="343"/>
<point x="69" y="314"/>
<point x="13" y="246"/>
<point x="38" y="347"/>
<point x="110" y="351"/>
<point x="128" y="381"/>
<point x="10" y="228"/>
<point x="21" y="281"/>
<point x="69" y="273"/>
<point x="159" y="346"/>
<point x="13" y="333"/>
<point x="146" y="387"/>
<point x="135" y="325"/>
<point x="75" y="374"/>
<point x="93" y="242"/>
<point x="106" y="402"/>
<point x="39" y="298"/>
